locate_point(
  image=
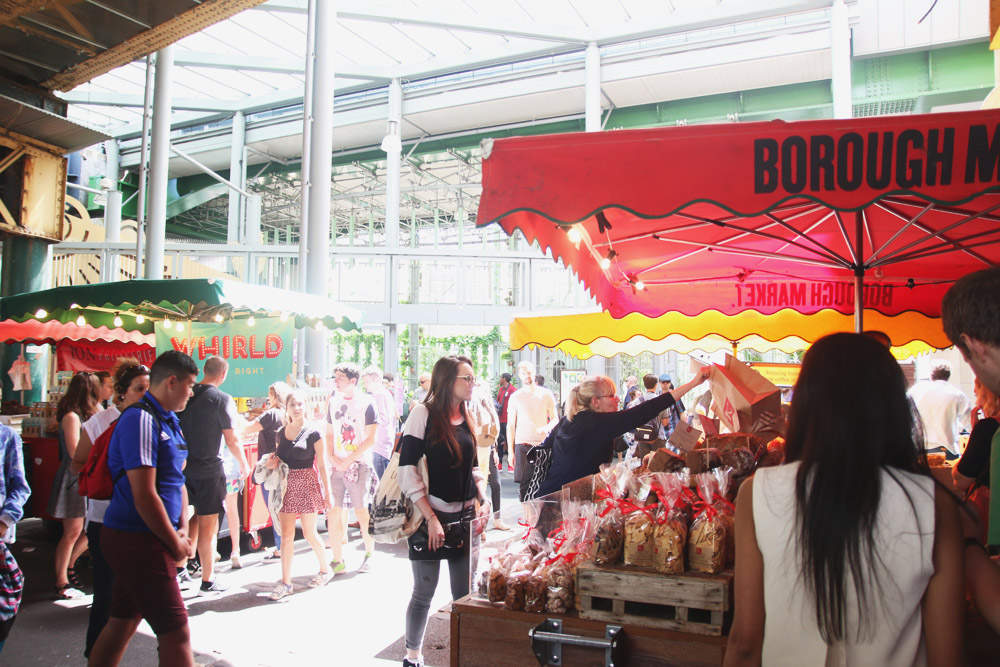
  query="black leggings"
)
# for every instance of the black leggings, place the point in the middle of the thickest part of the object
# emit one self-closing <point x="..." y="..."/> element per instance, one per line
<point x="494" y="482"/>
<point x="104" y="579"/>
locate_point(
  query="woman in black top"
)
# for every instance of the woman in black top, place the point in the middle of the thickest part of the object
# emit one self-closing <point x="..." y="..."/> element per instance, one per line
<point x="440" y="429"/>
<point x="297" y="446"/>
<point x="582" y="440"/>
<point x="975" y="462"/>
<point x="266" y="427"/>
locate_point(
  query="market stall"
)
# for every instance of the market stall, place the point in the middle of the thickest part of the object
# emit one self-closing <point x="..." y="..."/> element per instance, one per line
<point x="251" y="326"/>
<point x="859" y="221"/>
<point x="77" y="348"/>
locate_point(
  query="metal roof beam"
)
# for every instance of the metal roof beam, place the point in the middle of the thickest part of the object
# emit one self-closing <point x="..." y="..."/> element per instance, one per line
<point x="125" y="100"/>
<point x="276" y="65"/>
<point x="487" y="24"/>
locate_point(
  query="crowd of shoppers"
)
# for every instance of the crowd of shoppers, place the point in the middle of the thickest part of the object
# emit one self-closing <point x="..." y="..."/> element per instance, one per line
<point x="848" y="553"/>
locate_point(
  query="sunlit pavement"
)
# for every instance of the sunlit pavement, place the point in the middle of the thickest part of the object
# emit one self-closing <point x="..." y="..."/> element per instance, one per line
<point x="356" y="619"/>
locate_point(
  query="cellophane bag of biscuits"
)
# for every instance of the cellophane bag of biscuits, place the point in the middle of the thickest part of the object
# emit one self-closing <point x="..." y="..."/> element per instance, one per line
<point x="572" y="546"/>
<point x="708" y="534"/>
<point x="727" y="512"/>
<point x="609" y="534"/>
<point x="670" y="531"/>
<point x="640" y="514"/>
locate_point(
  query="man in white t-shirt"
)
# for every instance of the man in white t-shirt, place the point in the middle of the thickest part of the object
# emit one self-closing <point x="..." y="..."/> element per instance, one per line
<point x="529" y="413"/>
<point x="352" y="423"/>
<point x="944" y="409"/>
<point x="385" y="410"/>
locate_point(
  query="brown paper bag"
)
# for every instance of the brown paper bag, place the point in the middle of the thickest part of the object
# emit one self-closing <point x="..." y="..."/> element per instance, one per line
<point x="684" y="436"/>
<point x="742" y="395"/>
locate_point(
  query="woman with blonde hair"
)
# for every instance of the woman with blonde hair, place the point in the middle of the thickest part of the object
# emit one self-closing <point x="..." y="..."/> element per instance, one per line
<point x="583" y="439"/>
<point x="78" y="404"/>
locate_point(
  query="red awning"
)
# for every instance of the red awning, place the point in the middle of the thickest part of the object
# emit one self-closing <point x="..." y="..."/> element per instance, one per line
<point x="759" y="216"/>
<point x="53" y="331"/>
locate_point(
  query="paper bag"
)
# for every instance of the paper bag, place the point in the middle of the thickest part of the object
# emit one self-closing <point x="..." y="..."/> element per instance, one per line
<point x="708" y="425"/>
<point x="684" y="436"/>
<point x="742" y="395"/>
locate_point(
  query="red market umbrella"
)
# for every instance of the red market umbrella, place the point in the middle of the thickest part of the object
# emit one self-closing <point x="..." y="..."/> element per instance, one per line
<point x="760" y="216"/>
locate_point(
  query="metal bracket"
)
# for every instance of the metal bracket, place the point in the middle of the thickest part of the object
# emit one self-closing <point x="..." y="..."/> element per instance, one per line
<point x="547" y="641"/>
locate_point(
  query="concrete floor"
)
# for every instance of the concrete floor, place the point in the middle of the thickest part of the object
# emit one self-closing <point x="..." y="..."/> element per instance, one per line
<point x="357" y="619"/>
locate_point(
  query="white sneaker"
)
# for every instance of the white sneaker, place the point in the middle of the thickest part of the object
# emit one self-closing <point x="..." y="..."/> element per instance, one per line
<point x="281" y="589"/>
<point x="320" y="579"/>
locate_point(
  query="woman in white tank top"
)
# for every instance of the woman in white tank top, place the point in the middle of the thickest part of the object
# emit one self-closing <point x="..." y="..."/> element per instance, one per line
<point x="848" y="554"/>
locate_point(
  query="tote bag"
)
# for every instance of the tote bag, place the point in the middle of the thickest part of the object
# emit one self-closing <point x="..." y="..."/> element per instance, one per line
<point x="393" y="516"/>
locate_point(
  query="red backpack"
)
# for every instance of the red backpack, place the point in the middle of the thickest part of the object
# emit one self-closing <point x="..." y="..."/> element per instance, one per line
<point x="95" y="480"/>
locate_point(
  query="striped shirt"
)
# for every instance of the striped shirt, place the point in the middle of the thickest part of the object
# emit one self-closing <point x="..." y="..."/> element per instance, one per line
<point x="138" y="441"/>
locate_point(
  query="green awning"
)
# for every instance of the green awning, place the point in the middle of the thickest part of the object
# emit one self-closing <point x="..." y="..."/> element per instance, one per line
<point x="141" y="302"/>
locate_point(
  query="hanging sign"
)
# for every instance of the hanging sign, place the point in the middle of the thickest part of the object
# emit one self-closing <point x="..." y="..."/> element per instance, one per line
<point x="258" y="355"/>
<point x="95" y="355"/>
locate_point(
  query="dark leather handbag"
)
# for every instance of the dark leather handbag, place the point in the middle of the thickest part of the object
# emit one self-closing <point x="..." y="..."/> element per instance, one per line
<point x="457" y="533"/>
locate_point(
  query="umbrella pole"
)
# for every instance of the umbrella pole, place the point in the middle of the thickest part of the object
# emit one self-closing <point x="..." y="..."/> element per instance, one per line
<point x="859" y="272"/>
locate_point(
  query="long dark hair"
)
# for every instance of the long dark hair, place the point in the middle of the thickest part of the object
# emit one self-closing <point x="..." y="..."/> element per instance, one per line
<point x="81" y="396"/>
<point x="439" y="402"/>
<point x="850" y="419"/>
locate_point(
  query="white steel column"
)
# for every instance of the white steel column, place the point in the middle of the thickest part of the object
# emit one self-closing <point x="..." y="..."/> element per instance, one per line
<point x="156" y="231"/>
<point x="393" y="147"/>
<point x="320" y="174"/>
<point x="112" y="211"/>
<point x="304" y="175"/>
<point x="140" y="216"/>
<point x="840" y="57"/>
<point x="237" y="176"/>
<point x="592" y="88"/>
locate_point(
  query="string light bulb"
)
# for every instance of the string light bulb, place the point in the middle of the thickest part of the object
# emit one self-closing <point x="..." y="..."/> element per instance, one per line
<point x="167" y="324"/>
<point x="41" y="312"/>
<point x="251" y="321"/>
<point x="573" y="234"/>
<point x="139" y="319"/>
<point x="118" y="320"/>
<point x="80" y="321"/>
<point x="218" y="317"/>
<point x="606" y="262"/>
<point x="639" y="285"/>
<point x="284" y="317"/>
<point x="319" y="325"/>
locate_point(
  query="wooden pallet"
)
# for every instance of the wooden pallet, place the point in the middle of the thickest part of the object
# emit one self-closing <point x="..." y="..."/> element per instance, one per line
<point x="689" y="602"/>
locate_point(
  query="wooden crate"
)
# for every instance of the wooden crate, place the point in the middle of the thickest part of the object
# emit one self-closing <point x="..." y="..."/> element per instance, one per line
<point x="689" y="602"/>
<point x="485" y="635"/>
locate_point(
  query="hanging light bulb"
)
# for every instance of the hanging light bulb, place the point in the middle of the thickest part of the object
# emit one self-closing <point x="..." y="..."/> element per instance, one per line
<point x="118" y="320"/>
<point x="139" y="319"/>
<point x="606" y="262"/>
<point x="80" y="321"/>
<point x="167" y="324"/>
<point x="218" y="317"/>
<point x="573" y="234"/>
<point x="41" y="312"/>
<point x="319" y="325"/>
<point x="74" y="306"/>
<point x="284" y="317"/>
<point x="251" y="321"/>
<point x="639" y="285"/>
<point x="338" y="319"/>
